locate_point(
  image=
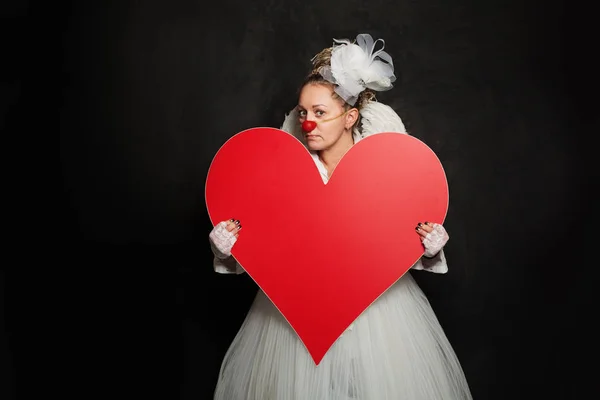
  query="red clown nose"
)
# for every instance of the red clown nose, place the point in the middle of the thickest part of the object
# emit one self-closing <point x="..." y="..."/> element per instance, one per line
<point x="308" y="126"/>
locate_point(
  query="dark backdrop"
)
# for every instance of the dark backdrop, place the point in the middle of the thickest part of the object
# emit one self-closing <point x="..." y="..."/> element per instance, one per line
<point x="146" y="92"/>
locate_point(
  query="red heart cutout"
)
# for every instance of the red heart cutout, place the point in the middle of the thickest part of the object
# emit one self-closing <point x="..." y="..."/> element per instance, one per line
<point x="324" y="253"/>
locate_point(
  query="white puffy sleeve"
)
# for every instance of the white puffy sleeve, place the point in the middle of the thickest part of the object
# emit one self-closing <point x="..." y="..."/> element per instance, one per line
<point x="228" y="264"/>
<point x="376" y="118"/>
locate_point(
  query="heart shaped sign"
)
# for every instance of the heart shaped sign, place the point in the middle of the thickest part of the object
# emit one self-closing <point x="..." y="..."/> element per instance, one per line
<point x="323" y="253"/>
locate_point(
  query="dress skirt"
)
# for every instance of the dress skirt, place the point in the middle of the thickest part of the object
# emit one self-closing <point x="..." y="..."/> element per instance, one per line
<point x="396" y="349"/>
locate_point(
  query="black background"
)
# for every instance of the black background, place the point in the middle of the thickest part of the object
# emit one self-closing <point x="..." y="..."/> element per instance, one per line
<point x="145" y="92"/>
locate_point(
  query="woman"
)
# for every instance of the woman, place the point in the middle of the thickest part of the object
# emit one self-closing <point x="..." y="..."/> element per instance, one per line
<point x="396" y="349"/>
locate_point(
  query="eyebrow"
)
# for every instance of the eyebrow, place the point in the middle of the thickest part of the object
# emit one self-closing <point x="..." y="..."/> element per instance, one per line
<point x="314" y="106"/>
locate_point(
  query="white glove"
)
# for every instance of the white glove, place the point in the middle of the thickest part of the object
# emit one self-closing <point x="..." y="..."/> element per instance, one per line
<point x="223" y="239"/>
<point x="435" y="239"/>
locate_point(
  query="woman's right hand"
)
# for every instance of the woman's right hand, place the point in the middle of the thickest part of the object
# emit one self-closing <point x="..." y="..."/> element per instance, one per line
<point x="223" y="237"/>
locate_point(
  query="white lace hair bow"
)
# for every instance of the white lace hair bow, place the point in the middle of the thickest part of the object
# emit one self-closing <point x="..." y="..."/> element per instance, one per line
<point x="356" y="66"/>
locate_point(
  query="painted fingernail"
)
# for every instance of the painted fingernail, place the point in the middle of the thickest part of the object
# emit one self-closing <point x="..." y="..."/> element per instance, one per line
<point x="240" y="227"/>
<point x="417" y="228"/>
<point x="237" y="221"/>
<point x="426" y="223"/>
<point x="231" y="220"/>
<point x="420" y="224"/>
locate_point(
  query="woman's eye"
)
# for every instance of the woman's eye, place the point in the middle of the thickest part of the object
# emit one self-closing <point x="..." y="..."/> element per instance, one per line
<point x="304" y="114"/>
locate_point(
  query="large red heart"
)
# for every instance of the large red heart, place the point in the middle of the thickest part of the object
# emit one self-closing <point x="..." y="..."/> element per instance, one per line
<point x="324" y="253"/>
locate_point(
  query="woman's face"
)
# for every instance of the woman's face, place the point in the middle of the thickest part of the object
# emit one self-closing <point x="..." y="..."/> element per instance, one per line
<point x="317" y="104"/>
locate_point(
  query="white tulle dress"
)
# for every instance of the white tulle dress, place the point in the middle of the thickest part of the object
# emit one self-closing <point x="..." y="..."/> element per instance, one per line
<point x="395" y="350"/>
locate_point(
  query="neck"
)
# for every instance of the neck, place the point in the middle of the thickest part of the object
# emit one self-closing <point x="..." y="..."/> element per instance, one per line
<point x="332" y="156"/>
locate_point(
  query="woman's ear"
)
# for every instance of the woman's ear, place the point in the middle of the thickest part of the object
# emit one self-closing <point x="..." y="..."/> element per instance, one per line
<point x="351" y="117"/>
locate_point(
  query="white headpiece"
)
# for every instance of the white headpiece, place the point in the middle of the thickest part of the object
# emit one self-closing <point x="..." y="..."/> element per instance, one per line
<point x="356" y="66"/>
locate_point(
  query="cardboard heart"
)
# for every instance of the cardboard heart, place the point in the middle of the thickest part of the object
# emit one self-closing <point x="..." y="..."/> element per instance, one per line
<point x="323" y="253"/>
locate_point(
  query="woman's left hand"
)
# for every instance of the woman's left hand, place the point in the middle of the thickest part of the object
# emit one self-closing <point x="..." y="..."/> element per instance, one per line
<point x="433" y="236"/>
